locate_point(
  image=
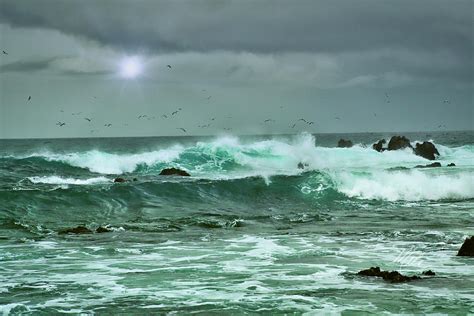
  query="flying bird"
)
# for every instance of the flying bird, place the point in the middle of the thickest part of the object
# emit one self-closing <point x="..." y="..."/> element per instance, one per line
<point x="169" y="66"/>
<point x="174" y="112"/>
<point x="29" y="98"/>
<point x="209" y="97"/>
<point x="87" y="119"/>
<point x="337" y="118"/>
<point x="180" y="128"/>
<point x="60" y="124"/>
<point x="107" y="125"/>
<point x="164" y="116"/>
<point x="293" y="126"/>
<point x="4" y="52"/>
<point x="268" y="120"/>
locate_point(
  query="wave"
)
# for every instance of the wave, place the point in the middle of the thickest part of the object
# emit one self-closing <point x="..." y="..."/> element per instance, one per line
<point x="413" y="185"/>
<point x="268" y="157"/>
<point x="60" y="180"/>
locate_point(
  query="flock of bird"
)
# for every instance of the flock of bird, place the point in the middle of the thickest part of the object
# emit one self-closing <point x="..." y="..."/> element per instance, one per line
<point x="211" y="120"/>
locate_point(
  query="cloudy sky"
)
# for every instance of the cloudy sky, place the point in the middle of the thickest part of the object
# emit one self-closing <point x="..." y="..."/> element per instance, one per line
<point x="348" y="66"/>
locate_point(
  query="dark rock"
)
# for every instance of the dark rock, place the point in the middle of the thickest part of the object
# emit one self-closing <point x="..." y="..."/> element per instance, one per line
<point x="467" y="248"/>
<point x="174" y="172"/>
<point x="76" y="230"/>
<point x="300" y="165"/>
<point x="119" y="180"/>
<point x="379" y="145"/>
<point x="391" y="276"/>
<point x="428" y="273"/>
<point x="102" y="229"/>
<point x="135" y="179"/>
<point x="431" y="165"/>
<point x="452" y="164"/>
<point x="343" y="143"/>
<point x="398" y="142"/>
<point x="426" y="150"/>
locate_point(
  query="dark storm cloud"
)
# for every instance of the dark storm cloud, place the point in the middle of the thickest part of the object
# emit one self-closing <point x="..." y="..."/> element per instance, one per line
<point x="256" y="26"/>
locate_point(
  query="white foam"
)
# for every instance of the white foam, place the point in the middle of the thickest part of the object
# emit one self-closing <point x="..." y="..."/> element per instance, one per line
<point x="61" y="180"/>
<point x="413" y="185"/>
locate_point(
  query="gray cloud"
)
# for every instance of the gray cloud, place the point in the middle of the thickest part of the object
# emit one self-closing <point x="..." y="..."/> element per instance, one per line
<point x="27" y="66"/>
<point x="256" y="26"/>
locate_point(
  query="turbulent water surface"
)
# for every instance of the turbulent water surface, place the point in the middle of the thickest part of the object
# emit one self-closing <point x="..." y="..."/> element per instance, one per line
<point x="248" y="232"/>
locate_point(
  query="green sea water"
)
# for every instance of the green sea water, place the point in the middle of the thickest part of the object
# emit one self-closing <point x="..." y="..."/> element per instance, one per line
<point x="248" y="233"/>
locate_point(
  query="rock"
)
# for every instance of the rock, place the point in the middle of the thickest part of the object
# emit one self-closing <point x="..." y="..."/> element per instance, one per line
<point x="452" y="164"/>
<point x="467" y="248"/>
<point x="428" y="273"/>
<point x="76" y="230"/>
<point x="300" y="165"/>
<point x="174" y="172"/>
<point x="102" y="229"/>
<point x="426" y="150"/>
<point x="391" y="276"/>
<point x="343" y="143"/>
<point x="119" y="180"/>
<point x="398" y="142"/>
<point x="379" y="145"/>
<point x="135" y="179"/>
<point x="431" y="165"/>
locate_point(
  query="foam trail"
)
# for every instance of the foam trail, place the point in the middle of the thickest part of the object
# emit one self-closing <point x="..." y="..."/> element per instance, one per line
<point x="60" y="180"/>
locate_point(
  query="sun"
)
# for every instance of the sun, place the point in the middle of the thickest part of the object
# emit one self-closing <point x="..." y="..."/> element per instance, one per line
<point x="131" y="67"/>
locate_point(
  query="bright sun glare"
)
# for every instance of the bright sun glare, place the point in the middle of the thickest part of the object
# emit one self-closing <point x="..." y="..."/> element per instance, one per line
<point x="131" y="67"/>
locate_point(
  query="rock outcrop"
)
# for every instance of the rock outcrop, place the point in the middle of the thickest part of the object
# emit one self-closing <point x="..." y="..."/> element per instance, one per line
<point x="392" y="276"/>
<point x="451" y="164"/>
<point x="76" y="230"/>
<point x="398" y="142"/>
<point x="467" y="248"/>
<point x="344" y="143"/>
<point x="426" y="150"/>
<point x="174" y="172"/>
<point x="119" y="180"/>
<point x="379" y="145"/>
<point x="431" y="165"/>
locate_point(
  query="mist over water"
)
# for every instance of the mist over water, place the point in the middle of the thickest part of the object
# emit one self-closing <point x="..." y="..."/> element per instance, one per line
<point x="248" y="230"/>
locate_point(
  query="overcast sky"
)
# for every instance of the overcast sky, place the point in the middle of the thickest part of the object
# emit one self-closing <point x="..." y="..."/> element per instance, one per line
<point x="348" y="66"/>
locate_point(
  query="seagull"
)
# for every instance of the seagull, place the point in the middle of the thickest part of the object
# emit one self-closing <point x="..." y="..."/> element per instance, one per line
<point x="29" y="98"/>
<point x="209" y="97"/>
<point x="175" y="112"/>
<point x="446" y="101"/>
<point x="60" y="124"/>
<point x="227" y="128"/>
<point x="107" y="125"/>
<point x="337" y="118"/>
<point x="310" y="123"/>
<point x="212" y="119"/>
<point x="182" y="129"/>
<point x="4" y="52"/>
<point x="164" y="116"/>
<point x="268" y="120"/>
<point x="302" y="119"/>
<point x="169" y="66"/>
<point x="87" y="119"/>
<point x="293" y="126"/>
<point x="76" y="113"/>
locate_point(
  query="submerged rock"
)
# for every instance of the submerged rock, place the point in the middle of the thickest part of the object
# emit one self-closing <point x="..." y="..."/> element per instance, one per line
<point x="467" y="248"/>
<point x="102" y="229"/>
<point x="452" y="164"/>
<point x="428" y="273"/>
<point x="398" y="142"/>
<point x="431" y="165"/>
<point x="174" y="172"/>
<point x="379" y="145"/>
<point x="391" y="276"/>
<point x="119" y="180"/>
<point x="76" y="230"/>
<point x="426" y="150"/>
<point x="343" y="143"/>
<point x="302" y="165"/>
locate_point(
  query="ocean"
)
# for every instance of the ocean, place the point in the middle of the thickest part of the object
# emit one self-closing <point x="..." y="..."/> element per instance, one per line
<point x="248" y="233"/>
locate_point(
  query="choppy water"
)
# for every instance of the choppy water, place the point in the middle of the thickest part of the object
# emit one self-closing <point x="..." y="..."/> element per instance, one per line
<point x="249" y="232"/>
